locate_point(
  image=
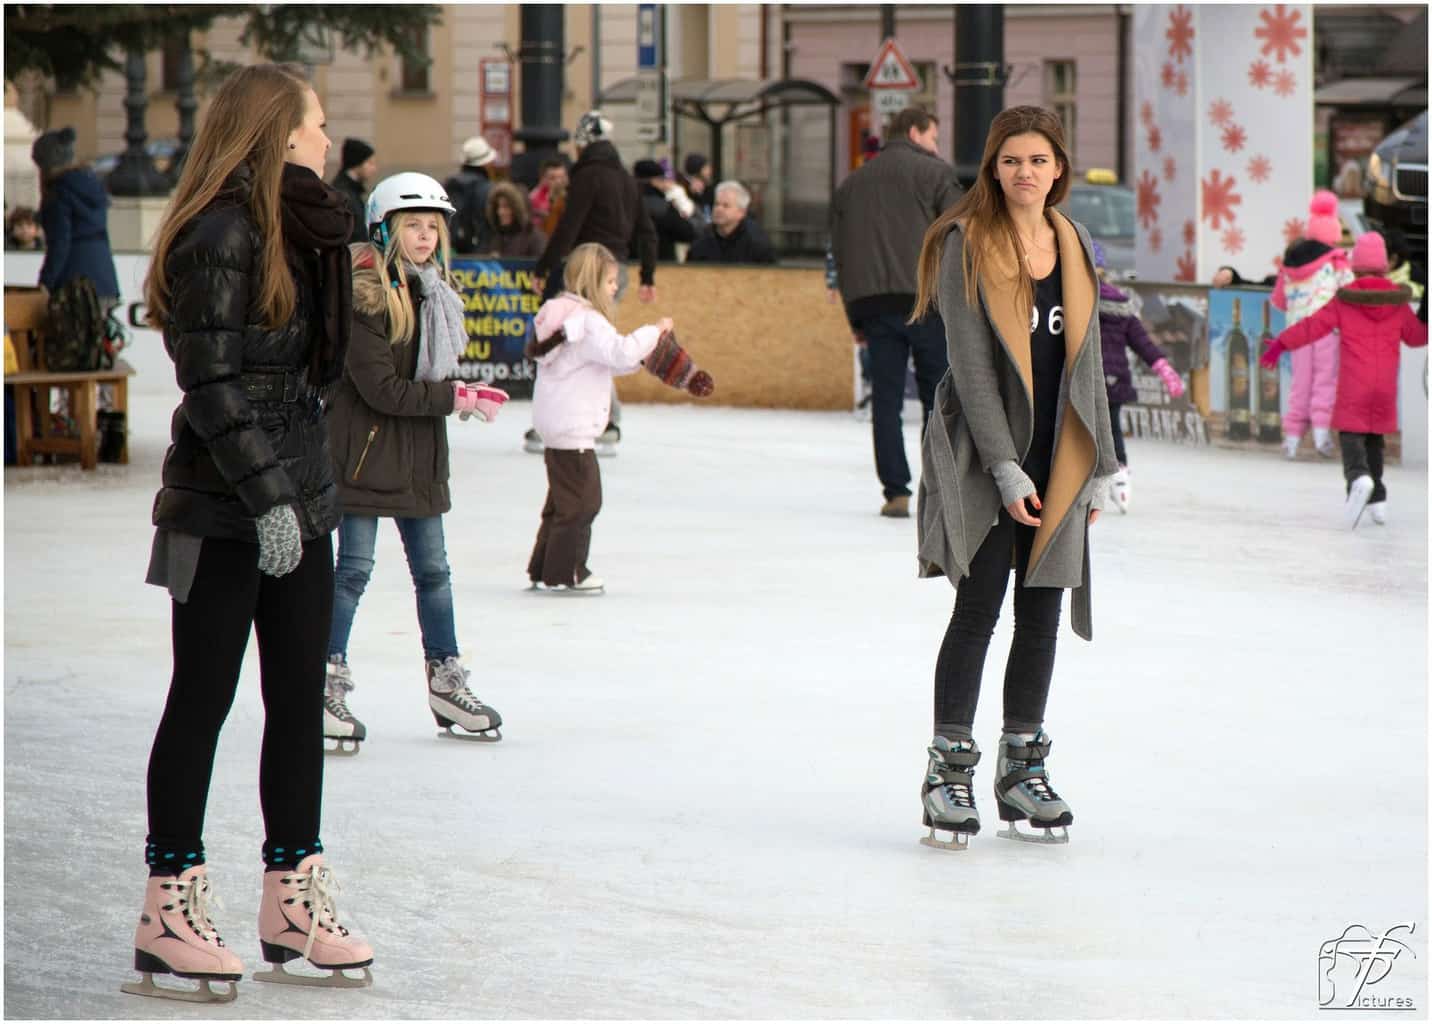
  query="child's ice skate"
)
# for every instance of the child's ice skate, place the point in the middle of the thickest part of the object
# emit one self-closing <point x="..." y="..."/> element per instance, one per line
<point x="1357" y="494"/>
<point x="1022" y="790"/>
<point x="532" y="442"/>
<point x="452" y="703"/>
<point x="339" y="724"/>
<point x="948" y="795"/>
<point x="1323" y="441"/>
<point x="1120" y="491"/>
<point x="1290" y="445"/>
<point x="298" y="918"/>
<point x="608" y="440"/>
<point x="1378" y="511"/>
<point x="176" y="936"/>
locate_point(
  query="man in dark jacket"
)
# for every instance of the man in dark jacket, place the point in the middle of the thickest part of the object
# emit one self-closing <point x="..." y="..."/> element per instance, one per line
<point x="734" y="237"/>
<point x="603" y="205"/>
<point x="671" y="210"/>
<point x="468" y="190"/>
<point x="878" y="218"/>
<point x="358" y="167"/>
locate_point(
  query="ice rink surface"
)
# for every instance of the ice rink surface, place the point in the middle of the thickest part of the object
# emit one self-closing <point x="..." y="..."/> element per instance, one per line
<point x="706" y="804"/>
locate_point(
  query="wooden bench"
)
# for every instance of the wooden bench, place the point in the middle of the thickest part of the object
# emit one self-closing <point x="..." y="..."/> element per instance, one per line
<point x="26" y="318"/>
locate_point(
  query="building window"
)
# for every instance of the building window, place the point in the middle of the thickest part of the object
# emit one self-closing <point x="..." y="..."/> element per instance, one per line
<point x="414" y="74"/>
<point x="1059" y="96"/>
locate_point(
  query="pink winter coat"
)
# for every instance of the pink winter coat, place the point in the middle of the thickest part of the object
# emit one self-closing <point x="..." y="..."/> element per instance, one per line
<point x="573" y="397"/>
<point x="1372" y="316"/>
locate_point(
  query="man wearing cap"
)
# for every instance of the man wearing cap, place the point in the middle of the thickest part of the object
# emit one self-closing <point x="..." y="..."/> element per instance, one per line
<point x="673" y="214"/>
<point x="468" y="190"/>
<point x="358" y="167"/>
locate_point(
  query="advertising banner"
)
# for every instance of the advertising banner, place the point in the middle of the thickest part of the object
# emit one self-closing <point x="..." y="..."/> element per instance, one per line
<point x="499" y="301"/>
<point x="1175" y="317"/>
<point x="1246" y="400"/>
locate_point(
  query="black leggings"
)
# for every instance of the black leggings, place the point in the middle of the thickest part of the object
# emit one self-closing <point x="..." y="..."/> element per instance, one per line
<point x="978" y="599"/>
<point x="291" y="616"/>
<point x="1116" y="427"/>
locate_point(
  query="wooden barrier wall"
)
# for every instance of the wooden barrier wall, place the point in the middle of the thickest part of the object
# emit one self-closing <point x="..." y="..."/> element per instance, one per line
<point x="768" y="336"/>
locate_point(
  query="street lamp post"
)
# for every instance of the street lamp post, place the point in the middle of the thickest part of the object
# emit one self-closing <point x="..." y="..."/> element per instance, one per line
<point x="186" y="104"/>
<point x="978" y="74"/>
<point x="135" y="173"/>
<point x="542" y="61"/>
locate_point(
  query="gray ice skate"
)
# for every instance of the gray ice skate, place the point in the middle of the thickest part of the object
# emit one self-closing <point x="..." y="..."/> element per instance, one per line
<point x="948" y="793"/>
<point x="1022" y="790"/>
<point x="452" y="703"/>
<point x="339" y="724"/>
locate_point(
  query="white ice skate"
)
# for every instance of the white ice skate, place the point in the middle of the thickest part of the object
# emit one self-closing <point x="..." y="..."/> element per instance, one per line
<point x="340" y="724"/>
<point x="607" y="441"/>
<point x="452" y="703"/>
<point x="1022" y="790"/>
<point x="532" y="442"/>
<point x="1323" y="442"/>
<point x="1378" y="511"/>
<point x="1120" y="491"/>
<point x="1290" y="446"/>
<point x="1357" y="495"/>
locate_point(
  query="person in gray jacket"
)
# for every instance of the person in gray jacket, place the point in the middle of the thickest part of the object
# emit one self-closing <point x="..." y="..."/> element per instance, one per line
<point x="877" y="218"/>
<point x="1015" y="461"/>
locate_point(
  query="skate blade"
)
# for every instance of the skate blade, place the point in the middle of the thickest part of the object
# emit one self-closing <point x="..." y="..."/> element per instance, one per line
<point x="1049" y="838"/>
<point x="346" y="747"/>
<point x="958" y="841"/>
<point x="335" y="978"/>
<point x="205" y="993"/>
<point x="492" y="735"/>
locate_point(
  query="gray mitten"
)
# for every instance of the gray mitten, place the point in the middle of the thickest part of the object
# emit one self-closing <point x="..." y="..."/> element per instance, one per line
<point x="280" y="541"/>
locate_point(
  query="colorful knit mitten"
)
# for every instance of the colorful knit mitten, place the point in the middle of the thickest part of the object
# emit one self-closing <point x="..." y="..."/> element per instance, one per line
<point x="672" y="364"/>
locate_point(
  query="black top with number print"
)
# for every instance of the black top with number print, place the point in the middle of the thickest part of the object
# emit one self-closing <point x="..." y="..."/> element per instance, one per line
<point x="1046" y="350"/>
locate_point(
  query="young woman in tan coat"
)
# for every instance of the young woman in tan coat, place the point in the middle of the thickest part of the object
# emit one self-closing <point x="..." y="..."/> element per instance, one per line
<point x="1015" y="460"/>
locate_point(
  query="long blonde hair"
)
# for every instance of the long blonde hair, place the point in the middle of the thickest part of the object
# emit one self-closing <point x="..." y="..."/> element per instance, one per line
<point x="586" y="275"/>
<point x="249" y="122"/>
<point x="402" y="319"/>
<point x="983" y="215"/>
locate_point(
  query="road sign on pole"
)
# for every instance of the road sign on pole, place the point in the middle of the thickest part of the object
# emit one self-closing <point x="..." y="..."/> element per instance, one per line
<point x="890" y="70"/>
<point x="889" y="102"/>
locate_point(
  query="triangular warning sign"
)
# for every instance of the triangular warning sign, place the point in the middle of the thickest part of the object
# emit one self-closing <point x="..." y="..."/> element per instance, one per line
<point x="891" y="70"/>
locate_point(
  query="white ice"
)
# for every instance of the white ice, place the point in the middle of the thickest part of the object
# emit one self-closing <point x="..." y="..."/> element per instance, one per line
<point x="706" y="803"/>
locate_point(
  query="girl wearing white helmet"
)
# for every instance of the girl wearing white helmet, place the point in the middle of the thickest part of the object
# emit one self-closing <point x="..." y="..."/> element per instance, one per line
<point x="388" y="422"/>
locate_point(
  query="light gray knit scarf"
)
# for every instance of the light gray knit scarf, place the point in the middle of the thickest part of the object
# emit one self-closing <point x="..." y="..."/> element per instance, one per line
<point x="444" y="333"/>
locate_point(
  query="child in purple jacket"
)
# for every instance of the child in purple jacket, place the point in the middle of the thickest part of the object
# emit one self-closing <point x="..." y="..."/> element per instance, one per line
<point x="1119" y="330"/>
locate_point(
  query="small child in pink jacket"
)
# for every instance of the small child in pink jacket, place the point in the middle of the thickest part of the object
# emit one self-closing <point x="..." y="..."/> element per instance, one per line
<point x="578" y="352"/>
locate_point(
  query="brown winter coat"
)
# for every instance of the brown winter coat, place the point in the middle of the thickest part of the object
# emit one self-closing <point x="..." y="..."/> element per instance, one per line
<point x="388" y="431"/>
<point x="984" y="415"/>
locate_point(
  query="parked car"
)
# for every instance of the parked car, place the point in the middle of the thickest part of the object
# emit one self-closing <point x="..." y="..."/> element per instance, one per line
<point x="1107" y="211"/>
<point x="1396" y="184"/>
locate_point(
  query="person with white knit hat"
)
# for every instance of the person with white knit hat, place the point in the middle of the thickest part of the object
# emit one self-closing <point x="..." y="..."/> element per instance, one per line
<point x="468" y="189"/>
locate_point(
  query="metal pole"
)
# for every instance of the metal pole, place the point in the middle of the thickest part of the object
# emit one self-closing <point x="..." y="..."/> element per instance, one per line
<point x="979" y="74"/>
<point x="541" y="59"/>
<point x="135" y="173"/>
<point x="1122" y="133"/>
<point x="887" y="22"/>
<point x="596" y="53"/>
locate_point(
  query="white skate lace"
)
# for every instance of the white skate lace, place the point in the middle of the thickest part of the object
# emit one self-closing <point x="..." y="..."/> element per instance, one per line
<point x="451" y="674"/>
<point x="318" y="889"/>
<point x="195" y="898"/>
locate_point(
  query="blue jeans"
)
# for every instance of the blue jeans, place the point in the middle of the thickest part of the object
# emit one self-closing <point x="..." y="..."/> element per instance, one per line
<point x="428" y="564"/>
<point x="892" y="344"/>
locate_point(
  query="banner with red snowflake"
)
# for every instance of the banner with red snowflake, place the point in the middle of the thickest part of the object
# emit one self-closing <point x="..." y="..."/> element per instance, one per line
<point x="1223" y="161"/>
<point x="1165" y="161"/>
<point x="1255" y="152"/>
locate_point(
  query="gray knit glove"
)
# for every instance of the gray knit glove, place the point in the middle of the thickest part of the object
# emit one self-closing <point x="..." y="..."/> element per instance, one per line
<point x="1101" y="492"/>
<point x="1013" y="482"/>
<point x="280" y="541"/>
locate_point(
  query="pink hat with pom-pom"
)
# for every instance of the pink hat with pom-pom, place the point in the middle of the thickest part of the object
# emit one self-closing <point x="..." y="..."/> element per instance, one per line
<point x="1369" y="253"/>
<point x="1323" y="223"/>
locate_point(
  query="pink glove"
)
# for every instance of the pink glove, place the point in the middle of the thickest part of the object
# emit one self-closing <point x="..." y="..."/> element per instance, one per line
<point x="1171" y="380"/>
<point x="1272" y="354"/>
<point x="480" y="399"/>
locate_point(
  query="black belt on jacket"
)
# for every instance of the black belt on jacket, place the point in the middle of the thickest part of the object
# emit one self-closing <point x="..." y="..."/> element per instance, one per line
<point x="285" y="386"/>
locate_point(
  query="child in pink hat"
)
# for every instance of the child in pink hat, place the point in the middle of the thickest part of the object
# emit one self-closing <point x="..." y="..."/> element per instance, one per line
<point x="1313" y="269"/>
<point x="1372" y="317"/>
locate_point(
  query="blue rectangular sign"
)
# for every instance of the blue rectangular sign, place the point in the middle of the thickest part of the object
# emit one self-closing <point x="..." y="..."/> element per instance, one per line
<point x="646" y="42"/>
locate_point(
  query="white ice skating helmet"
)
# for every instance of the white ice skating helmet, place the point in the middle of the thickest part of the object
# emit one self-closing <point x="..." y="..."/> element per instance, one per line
<point x="406" y="191"/>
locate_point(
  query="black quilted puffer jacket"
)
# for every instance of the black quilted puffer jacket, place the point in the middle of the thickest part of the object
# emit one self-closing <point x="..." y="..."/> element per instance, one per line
<point x="249" y="433"/>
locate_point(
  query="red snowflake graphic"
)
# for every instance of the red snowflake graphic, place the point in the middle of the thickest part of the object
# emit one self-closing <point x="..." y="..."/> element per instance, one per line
<point x="1155" y="138"/>
<point x="1169" y="75"/>
<point x="1259" y="74"/>
<point x="1180" y="33"/>
<point x="1220" y="112"/>
<point x="1292" y="230"/>
<point x="1190" y="233"/>
<point x="1155" y="240"/>
<point x="1146" y="114"/>
<point x="1233" y="240"/>
<point x="1285" y="83"/>
<point x="1260" y="168"/>
<point x="1280" y="31"/>
<point x="1180" y="84"/>
<point x="1234" y="137"/>
<point x="1170" y="168"/>
<point x="1219" y="199"/>
<point x="1187" y="268"/>
<point x="1149" y="199"/>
